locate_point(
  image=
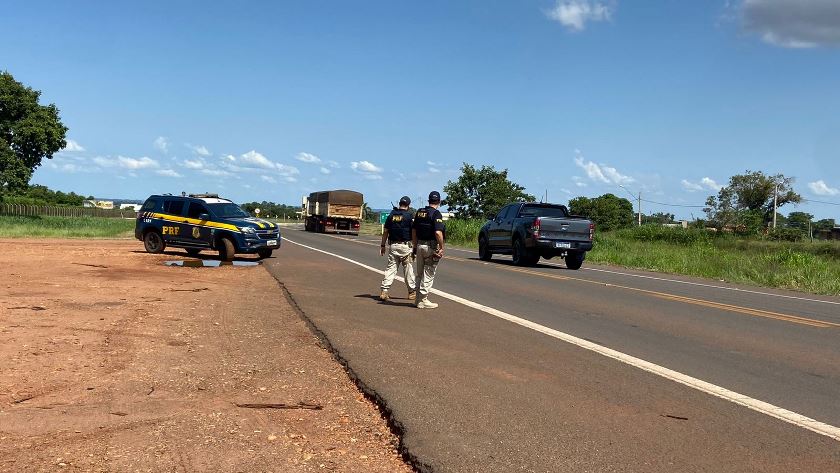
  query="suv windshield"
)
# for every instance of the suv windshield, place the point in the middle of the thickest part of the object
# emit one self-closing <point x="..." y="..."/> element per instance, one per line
<point x="227" y="210"/>
<point x="540" y="211"/>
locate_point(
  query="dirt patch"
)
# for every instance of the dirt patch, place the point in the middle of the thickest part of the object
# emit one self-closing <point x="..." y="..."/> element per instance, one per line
<point x="110" y="361"/>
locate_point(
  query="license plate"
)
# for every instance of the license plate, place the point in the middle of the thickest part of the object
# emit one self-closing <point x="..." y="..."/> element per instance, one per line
<point x="562" y="244"/>
<point x="271" y="243"/>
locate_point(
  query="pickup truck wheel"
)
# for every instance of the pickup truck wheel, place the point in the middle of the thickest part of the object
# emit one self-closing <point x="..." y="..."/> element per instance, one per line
<point x="521" y="255"/>
<point x="153" y="242"/>
<point x="574" y="259"/>
<point x="226" y="249"/>
<point x="484" y="253"/>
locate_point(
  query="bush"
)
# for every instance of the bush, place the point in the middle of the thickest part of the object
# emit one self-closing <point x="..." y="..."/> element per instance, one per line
<point x="676" y="236"/>
<point x="463" y="232"/>
<point x="785" y="234"/>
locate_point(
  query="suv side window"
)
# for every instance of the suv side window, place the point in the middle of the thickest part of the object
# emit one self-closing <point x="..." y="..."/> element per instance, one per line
<point x="196" y="209"/>
<point x="173" y="206"/>
<point x="504" y="212"/>
<point x="149" y="205"/>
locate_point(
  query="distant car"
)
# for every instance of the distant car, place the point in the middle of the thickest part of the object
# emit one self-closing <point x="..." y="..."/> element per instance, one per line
<point x="528" y="231"/>
<point x="203" y="222"/>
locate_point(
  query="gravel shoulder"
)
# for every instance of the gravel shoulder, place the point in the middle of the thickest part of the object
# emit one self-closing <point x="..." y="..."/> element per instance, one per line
<point x="110" y="361"/>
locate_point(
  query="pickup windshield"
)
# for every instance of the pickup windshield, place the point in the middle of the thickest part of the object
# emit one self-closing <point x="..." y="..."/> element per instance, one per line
<point x="542" y="211"/>
<point x="227" y="210"/>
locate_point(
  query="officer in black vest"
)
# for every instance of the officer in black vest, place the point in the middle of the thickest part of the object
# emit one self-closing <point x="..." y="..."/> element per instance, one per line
<point x="397" y="233"/>
<point x="427" y="235"/>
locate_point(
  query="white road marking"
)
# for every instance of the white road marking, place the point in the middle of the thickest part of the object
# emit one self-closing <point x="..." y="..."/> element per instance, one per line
<point x="675" y="281"/>
<point x="698" y="384"/>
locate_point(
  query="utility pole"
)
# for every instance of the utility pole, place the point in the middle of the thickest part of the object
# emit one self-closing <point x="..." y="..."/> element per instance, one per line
<point x="640" y="208"/>
<point x="775" y="203"/>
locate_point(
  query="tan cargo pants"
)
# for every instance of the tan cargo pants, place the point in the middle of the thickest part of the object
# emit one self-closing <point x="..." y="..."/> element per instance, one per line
<point x="426" y="266"/>
<point x="399" y="254"/>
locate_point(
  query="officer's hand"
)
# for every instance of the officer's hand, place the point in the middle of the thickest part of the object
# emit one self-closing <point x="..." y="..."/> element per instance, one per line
<point x="381" y="251"/>
<point x="439" y="253"/>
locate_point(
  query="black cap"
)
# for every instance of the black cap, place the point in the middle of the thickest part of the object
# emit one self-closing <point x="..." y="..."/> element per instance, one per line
<point x="434" y="197"/>
<point x="404" y="200"/>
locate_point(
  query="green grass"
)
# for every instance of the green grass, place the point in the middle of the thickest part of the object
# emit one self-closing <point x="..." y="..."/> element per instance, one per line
<point x="65" y="227"/>
<point x="802" y="266"/>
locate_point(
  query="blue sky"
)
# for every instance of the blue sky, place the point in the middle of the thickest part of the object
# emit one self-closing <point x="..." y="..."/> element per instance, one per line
<point x="273" y="100"/>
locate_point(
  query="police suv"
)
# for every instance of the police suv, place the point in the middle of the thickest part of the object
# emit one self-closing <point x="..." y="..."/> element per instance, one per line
<point x="203" y="222"/>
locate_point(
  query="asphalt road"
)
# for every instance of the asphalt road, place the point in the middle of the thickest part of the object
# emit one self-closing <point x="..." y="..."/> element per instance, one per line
<point x="475" y="392"/>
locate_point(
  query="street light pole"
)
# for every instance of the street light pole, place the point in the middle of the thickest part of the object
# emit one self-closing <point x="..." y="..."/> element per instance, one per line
<point x="775" y="203"/>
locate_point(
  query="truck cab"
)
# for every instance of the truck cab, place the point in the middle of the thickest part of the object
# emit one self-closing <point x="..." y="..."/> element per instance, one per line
<point x="203" y="222"/>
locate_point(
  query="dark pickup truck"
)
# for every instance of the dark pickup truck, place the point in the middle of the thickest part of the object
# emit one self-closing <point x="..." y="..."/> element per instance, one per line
<point x="528" y="231"/>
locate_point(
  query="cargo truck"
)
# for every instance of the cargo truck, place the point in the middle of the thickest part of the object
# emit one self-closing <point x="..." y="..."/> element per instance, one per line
<point x="337" y="211"/>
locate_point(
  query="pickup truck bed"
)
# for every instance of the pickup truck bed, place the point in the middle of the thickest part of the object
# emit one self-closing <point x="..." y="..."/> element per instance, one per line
<point x="529" y="231"/>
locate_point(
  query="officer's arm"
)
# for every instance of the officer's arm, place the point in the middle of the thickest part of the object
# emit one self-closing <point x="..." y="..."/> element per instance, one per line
<point x="414" y="239"/>
<point x="384" y="237"/>
<point x="439" y="238"/>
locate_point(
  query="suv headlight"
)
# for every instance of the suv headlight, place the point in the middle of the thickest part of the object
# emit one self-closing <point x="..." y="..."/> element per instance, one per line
<point x="248" y="230"/>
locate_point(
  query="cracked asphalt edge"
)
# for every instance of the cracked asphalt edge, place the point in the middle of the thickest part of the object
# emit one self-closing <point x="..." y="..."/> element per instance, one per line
<point x="394" y="425"/>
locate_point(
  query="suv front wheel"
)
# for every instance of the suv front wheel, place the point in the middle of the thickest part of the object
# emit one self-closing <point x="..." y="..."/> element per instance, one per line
<point x="153" y="242"/>
<point x="227" y="249"/>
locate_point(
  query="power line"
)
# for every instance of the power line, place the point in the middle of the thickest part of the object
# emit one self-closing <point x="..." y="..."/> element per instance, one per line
<point x="820" y="202"/>
<point x="674" y="205"/>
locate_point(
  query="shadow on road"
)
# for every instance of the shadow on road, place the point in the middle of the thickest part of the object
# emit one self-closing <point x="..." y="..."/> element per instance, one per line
<point x="210" y="255"/>
<point x="510" y="263"/>
<point x="391" y="301"/>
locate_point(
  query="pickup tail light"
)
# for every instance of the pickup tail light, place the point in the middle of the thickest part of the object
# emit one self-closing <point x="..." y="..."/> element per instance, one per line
<point x="536" y="227"/>
<point x="591" y="231"/>
<point x="355" y="224"/>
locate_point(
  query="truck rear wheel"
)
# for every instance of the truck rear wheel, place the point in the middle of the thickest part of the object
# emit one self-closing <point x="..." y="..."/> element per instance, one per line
<point x="574" y="259"/>
<point x="484" y="253"/>
<point x="521" y="255"/>
<point x="153" y="242"/>
<point x="227" y="249"/>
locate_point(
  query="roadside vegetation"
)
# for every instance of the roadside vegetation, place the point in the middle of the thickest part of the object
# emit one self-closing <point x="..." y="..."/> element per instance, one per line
<point x="802" y="265"/>
<point x="65" y="227"/>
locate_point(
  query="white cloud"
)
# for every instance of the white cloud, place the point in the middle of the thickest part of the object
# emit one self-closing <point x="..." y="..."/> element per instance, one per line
<point x="578" y="181"/>
<point x="290" y="179"/>
<point x="216" y="172"/>
<point x="325" y="170"/>
<point x="711" y="184"/>
<point x="255" y="159"/>
<point x="193" y="164"/>
<point x="821" y="188"/>
<point x="308" y="158"/>
<point x="706" y="183"/>
<point x="137" y="163"/>
<point x="104" y="162"/>
<point x="601" y="173"/>
<point x="365" y="167"/>
<point x="161" y="144"/>
<point x="333" y="164"/>
<point x="373" y="177"/>
<point x="73" y="147"/>
<point x="198" y="149"/>
<point x="286" y="170"/>
<point x="268" y="179"/>
<point x="574" y="14"/>
<point x="434" y="170"/>
<point x="229" y="157"/>
<point x="793" y="23"/>
<point x="433" y="164"/>
<point x="691" y="186"/>
<point x="167" y="173"/>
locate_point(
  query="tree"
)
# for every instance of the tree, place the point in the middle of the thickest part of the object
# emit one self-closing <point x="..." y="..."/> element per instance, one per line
<point x="29" y="132"/>
<point x="799" y="220"/>
<point x="658" y="218"/>
<point x="480" y="193"/>
<point x="747" y="202"/>
<point x="609" y="212"/>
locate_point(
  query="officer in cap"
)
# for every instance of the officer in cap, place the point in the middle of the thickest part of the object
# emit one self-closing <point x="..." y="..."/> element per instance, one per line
<point x="397" y="235"/>
<point x="427" y="236"/>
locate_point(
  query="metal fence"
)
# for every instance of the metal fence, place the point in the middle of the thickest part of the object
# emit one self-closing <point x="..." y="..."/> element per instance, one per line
<point x="55" y="211"/>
